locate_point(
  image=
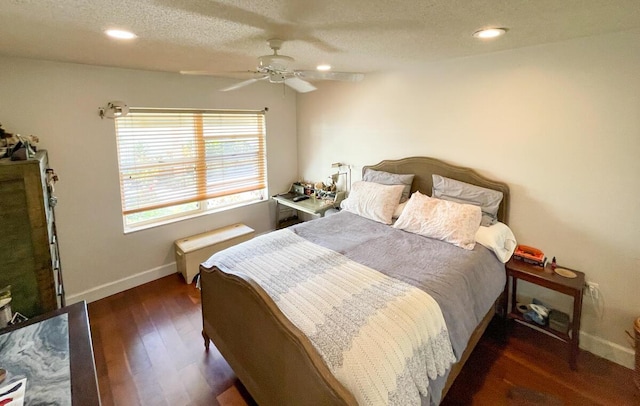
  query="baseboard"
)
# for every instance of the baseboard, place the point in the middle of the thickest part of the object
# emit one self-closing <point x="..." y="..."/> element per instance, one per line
<point x="111" y="288"/>
<point x="606" y="349"/>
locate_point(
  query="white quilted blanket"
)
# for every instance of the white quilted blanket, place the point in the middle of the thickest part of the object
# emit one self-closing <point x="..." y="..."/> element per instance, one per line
<point x="382" y="338"/>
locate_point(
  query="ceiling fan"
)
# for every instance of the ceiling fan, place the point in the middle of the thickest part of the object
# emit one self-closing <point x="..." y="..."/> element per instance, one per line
<point x="275" y="69"/>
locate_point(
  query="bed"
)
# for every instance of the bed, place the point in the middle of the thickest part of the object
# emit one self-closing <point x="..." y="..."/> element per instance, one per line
<point x="279" y="364"/>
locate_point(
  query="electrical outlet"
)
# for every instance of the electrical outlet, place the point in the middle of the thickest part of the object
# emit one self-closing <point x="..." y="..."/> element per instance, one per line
<point x="593" y="289"/>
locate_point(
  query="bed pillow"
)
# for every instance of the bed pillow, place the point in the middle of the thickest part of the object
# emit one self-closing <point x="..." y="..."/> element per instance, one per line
<point x="498" y="238"/>
<point x="444" y="220"/>
<point x="387" y="178"/>
<point x="461" y="192"/>
<point x="398" y="211"/>
<point x="373" y="200"/>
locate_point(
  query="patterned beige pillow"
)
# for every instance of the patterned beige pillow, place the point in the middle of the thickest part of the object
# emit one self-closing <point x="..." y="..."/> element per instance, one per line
<point x="466" y="193"/>
<point x="374" y="201"/>
<point x="443" y="220"/>
<point x="387" y="178"/>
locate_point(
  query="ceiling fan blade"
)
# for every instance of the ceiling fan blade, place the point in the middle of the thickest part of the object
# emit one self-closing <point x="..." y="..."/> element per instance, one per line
<point x="342" y="76"/>
<point x="237" y="74"/>
<point x="243" y="84"/>
<point x="197" y="72"/>
<point x="299" y="85"/>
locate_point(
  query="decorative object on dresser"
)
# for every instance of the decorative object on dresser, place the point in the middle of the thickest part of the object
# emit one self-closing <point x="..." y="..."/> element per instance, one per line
<point x="16" y="146"/>
<point x="31" y="262"/>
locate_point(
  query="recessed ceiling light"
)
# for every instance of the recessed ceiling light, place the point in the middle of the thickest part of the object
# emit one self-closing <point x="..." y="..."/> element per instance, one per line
<point x="490" y="33"/>
<point x="120" y="34"/>
<point x="323" y="67"/>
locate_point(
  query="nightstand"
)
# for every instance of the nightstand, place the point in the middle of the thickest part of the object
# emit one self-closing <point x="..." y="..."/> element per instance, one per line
<point x="313" y="206"/>
<point x="545" y="277"/>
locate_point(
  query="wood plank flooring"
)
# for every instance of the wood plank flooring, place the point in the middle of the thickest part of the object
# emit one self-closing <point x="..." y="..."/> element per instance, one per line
<point x="149" y="351"/>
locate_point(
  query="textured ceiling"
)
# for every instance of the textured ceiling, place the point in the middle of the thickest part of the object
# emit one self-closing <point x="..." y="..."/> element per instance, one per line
<point x="351" y="35"/>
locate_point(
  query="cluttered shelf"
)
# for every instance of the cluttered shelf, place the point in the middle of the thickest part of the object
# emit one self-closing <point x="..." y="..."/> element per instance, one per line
<point x="566" y="337"/>
<point x="306" y="199"/>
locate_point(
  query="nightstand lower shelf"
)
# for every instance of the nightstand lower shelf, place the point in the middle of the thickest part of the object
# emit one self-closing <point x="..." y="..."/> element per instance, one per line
<point x="289" y="221"/>
<point x="557" y="334"/>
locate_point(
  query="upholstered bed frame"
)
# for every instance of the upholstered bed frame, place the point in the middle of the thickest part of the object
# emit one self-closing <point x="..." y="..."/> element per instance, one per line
<point x="274" y="360"/>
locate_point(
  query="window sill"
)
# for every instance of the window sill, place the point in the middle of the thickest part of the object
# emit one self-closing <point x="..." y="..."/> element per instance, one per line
<point x="133" y="229"/>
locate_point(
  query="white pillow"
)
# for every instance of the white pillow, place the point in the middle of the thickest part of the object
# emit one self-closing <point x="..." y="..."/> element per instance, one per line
<point x="498" y="238"/>
<point x="373" y="200"/>
<point x="398" y="211"/>
<point x="444" y="220"/>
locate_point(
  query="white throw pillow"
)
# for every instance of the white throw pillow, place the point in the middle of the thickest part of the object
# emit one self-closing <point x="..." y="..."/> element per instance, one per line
<point x="498" y="238"/>
<point x="398" y="211"/>
<point x="373" y="201"/>
<point x="444" y="220"/>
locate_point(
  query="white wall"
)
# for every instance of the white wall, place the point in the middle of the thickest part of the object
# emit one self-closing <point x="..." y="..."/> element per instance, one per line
<point x="559" y="123"/>
<point x="59" y="103"/>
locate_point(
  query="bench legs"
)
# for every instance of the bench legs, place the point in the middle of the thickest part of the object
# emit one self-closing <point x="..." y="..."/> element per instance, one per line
<point x="207" y="340"/>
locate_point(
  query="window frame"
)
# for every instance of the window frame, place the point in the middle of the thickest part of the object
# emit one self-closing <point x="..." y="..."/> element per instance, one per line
<point x="239" y="175"/>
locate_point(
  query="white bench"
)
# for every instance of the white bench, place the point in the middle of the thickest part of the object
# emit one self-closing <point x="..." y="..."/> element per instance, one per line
<point x="192" y="251"/>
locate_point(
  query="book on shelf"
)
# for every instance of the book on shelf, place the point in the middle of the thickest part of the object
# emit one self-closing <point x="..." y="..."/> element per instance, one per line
<point x="540" y="263"/>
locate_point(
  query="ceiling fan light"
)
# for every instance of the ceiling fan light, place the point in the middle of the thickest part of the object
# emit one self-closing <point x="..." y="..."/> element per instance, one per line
<point x="489" y="33"/>
<point x="323" y="67"/>
<point x="277" y="62"/>
<point x="120" y="34"/>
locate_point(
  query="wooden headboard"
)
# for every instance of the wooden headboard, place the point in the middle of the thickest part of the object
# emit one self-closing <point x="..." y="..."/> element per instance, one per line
<point x="424" y="167"/>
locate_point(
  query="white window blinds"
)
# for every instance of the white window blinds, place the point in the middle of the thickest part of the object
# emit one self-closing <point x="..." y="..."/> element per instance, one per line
<point x="172" y="157"/>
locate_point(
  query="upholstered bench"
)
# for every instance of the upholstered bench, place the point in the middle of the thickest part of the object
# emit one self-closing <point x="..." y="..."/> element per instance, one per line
<point x="191" y="251"/>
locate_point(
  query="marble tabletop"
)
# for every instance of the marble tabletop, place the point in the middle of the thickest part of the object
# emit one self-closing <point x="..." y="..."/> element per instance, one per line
<point x="39" y="352"/>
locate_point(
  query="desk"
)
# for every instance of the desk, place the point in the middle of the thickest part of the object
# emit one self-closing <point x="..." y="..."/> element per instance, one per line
<point x="313" y="206"/>
<point x="545" y="277"/>
<point x="84" y="385"/>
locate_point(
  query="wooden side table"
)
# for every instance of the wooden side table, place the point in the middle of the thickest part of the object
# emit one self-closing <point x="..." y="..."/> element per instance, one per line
<point x="545" y="277"/>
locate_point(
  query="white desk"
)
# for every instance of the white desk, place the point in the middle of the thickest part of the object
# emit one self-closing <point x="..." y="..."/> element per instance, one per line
<point x="313" y="206"/>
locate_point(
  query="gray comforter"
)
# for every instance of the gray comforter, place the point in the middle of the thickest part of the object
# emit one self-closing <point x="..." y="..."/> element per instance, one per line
<point x="464" y="283"/>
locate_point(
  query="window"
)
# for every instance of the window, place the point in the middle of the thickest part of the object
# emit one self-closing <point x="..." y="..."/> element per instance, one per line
<point x="179" y="163"/>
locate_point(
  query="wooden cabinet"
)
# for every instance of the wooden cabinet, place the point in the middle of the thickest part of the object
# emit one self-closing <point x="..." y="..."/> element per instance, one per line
<point x="29" y="256"/>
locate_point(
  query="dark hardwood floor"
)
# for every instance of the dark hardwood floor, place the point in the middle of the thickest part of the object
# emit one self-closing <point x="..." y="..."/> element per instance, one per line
<point x="149" y="351"/>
